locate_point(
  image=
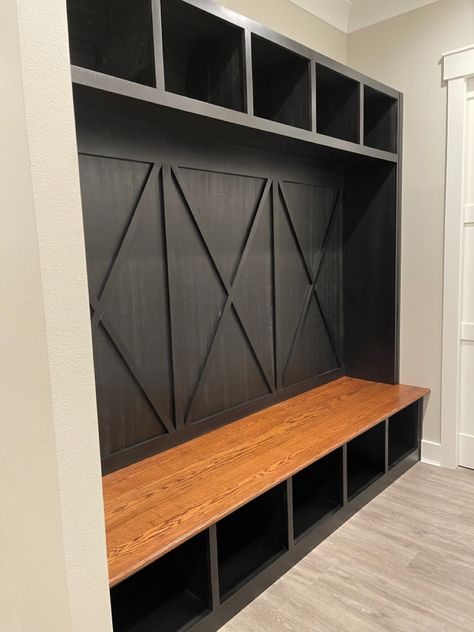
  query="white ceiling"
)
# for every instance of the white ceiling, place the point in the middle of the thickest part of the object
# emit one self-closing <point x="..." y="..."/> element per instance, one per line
<point x="351" y="15"/>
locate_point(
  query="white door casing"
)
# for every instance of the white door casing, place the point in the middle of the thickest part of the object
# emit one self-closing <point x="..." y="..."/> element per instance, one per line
<point x="457" y="394"/>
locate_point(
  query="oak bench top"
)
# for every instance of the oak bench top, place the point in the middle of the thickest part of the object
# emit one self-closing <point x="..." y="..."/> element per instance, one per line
<point x="156" y="504"/>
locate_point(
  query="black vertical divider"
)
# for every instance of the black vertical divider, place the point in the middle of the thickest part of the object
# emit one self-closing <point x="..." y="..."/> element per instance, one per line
<point x="344" y="475"/>
<point x="167" y="216"/>
<point x="361" y="113"/>
<point x="214" y="567"/>
<point x="276" y="286"/>
<point x="386" y="423"/>
<point x="289" y="512"/>
<point x="313" y="96"/>
<point x="248" y="70"/>
<point x="158" y="44"/>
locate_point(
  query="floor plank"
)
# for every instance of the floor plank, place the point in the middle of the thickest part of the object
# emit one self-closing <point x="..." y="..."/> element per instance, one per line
<point x="404" y="562"/>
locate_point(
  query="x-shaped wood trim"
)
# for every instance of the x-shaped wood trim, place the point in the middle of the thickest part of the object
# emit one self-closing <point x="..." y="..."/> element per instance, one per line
<point x="313" y="277"/>
<point x="99" y="305"/>
<point x="229" y="288"/>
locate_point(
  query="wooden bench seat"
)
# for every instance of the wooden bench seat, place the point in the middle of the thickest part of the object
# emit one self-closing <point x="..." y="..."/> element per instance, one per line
<point x="158" y="503"/>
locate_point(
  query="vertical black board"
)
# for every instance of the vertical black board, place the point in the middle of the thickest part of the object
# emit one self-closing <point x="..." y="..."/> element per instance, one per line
<point x="370" y="289"/>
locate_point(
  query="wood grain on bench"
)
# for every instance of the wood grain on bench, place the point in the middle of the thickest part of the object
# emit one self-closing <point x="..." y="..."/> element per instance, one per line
<point x="158" y="503"/>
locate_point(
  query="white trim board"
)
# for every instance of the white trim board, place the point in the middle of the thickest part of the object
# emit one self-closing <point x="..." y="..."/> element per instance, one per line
<point x="431" y="452"/>
<point x="466" y="451"/>
<point x="458" y="67"/>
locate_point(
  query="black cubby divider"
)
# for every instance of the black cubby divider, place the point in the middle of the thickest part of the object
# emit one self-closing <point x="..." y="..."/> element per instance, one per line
<point x="251" y="538"/>
<point x="203" y="55"/>
<point x="170" y="594"/>
<point x="317" y="492"/>
<point x="281" y="84"/>
<point x="403" y="434"/>
<point x="365" y="459"/>
<point x="113" y="37"/>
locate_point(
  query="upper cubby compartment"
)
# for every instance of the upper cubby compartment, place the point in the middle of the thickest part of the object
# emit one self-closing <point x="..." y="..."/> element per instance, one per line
<point x="380" y="120"/>
<point x="114" y="37"/>
<point x="337" y="104"/>
<point x="202" y="55"/>
<point x="281" y="85"/>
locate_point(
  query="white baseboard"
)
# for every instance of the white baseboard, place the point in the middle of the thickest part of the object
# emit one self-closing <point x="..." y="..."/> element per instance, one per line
<point x="466" y="450"/>
<point x="431" y="452"/>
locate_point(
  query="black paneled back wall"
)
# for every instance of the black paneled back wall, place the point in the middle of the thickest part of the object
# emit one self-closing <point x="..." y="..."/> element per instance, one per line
<point x="240" y="216"/>
<point x="210" y="290"/>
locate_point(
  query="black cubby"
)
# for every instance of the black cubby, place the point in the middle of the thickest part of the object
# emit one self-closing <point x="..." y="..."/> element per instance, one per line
<point x="251" y="538"/>
<point x="114" y="37"/>
<point x="365" y="459"/>
<point x="317" y="492"/>
<point x="403" y="434"/>
<point x="202" y="55"/>
<point x="281" y="85"/>
<point x="337" y="104"/>
<point x="171" y="594"/>
<point x="380" y="120"/>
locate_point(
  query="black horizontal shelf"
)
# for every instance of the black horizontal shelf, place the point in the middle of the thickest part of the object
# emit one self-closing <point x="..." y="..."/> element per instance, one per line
<point x="121" y="88"/>
<point x="217" y="64"/>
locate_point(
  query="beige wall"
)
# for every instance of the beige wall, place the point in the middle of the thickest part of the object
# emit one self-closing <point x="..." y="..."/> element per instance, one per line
<point x="286" y="18"/>
<point x="405" y="52"/>
<point x="53" y="573"/>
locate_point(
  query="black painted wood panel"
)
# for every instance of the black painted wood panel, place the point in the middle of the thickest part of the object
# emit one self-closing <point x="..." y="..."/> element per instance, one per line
<point x="198" y="269"/>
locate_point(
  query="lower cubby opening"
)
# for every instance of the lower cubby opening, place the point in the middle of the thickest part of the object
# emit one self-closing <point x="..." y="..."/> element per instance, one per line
<point x="365" y="459"/>
<point x="251" y="538"/>
<point x="170" y="594"/>
<point x="403" y="434"/>
<point x="317" y="492"/>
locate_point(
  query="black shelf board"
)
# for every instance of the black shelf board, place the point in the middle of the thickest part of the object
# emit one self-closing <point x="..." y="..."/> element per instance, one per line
<point x="337" y="104"/>
<point x="310" y="143"/>
<point x="360" y="478"/>
<point x="114" y="38"/>
<point x="202" y="55"/>
<point x="281" y="84"/>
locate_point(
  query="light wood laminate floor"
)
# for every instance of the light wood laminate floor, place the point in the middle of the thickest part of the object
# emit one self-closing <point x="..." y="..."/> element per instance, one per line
<point x="404" y="563"/>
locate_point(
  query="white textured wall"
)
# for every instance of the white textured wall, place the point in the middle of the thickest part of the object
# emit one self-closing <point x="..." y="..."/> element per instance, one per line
<point x="290" y="20"/>
<point x="405" y="52"/>
<point x="53" y="574"/>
